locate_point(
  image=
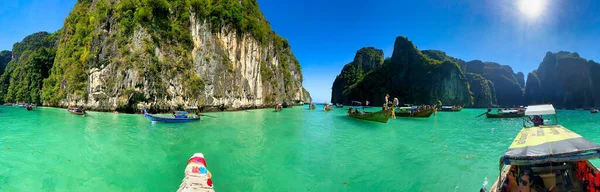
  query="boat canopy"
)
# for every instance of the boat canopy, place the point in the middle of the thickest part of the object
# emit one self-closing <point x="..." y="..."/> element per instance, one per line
<point x="447" y="107"/>
<point x="357" y="103"/>
<point x="544" y="144"/>
<point x="509" y="111"/>
<point x="547" y="109"/>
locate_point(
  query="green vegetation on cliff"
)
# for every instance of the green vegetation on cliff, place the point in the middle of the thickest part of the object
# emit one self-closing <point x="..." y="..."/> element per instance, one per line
<point x="480" y="87"/>
<point x="429" y="76"/>
<point x="409" y="75"/>
<point x="566" y="80"/>
<point x="5" y="57"/>
<point x="366" y="60"/>
<point x="34" y="57"/>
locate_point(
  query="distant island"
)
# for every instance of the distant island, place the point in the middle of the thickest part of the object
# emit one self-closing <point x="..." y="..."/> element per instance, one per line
<point x="164" y="54"/>
<point x="430" y="77"/>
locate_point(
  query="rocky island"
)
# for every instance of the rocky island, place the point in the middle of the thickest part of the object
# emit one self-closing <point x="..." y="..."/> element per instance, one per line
<point x="430" y="77"/>
<point x="117" y="55"/>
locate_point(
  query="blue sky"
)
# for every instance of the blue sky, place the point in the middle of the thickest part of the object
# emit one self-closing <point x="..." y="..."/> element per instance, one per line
<point x="325" y="35"/>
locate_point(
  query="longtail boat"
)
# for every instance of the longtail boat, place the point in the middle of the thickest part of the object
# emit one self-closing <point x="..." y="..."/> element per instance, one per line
<point x="450" y="108"/>
<point x="547" y="157"/>
<point x="512" y="113"/>
<point x="29" y="107"/>
<point x="593" y="110"/>
<point x="278" y="107"/>
<point x="381" y="116"/>
<point x="312" y="106"/>
<point x="178" y="117"/>
<point x="77" y="111"/>
<point x="197" y="177"/>
<point x="327" y="107"/>
<point x="412" y="112"/>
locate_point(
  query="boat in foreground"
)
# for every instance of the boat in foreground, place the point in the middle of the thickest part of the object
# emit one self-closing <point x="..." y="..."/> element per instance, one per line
<point x="413" y="112"/>
<point x="547" y="158"/>
<point x="197" y="177"/>
<point x="511" y="113"/>
<point x="178" y="117"/>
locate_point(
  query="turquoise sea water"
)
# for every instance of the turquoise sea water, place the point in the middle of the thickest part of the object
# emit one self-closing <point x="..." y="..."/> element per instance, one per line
<point x="258" y="150"/>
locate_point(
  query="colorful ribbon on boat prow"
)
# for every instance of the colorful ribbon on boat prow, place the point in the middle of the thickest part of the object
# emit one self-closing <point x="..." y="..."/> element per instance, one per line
<point x="197" y="177"/>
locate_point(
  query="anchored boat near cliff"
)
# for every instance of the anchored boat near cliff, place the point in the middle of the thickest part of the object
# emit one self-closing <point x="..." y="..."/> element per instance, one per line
<point x="327" y="107"/>
<point x="77" y="111"/>
<point x="450" y="108"/>
<point x="381" y="116"/>
<point x="178" y="117"/>
<point x="510" y="113"/>
<point x="548" y="157"/>
<point x="413" y="111"/>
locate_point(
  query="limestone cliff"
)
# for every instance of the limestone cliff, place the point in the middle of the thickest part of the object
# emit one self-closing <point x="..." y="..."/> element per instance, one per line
<point x="508" y="86"/>
<point x="566" y="80"/>
<point x="5" y="57"/>
<point x="482" y="92"/>
<point x="412" y="77"/>
<point x="366" y="60"/>
<point x="31" y="61"/>
<point x="218" y="55"/>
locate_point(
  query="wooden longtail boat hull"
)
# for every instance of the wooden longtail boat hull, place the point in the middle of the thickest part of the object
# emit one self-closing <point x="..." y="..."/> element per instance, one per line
<point x="504" y="115"/>
<point x="421" y="114"/>
<point x="380" y="116"/>
<point x="155" y="118"/>
<point x="450" y="110"/>
<point x="74" y="112"/>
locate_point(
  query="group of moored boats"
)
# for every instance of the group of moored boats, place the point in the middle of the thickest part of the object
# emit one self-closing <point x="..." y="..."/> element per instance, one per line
<point x="27" y="106"/>
<point x="356" y="110"/>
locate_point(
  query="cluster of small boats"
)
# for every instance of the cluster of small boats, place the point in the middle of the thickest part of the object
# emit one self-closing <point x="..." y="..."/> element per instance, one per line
<point x="27" y="106"/>
<point x="545" y="156"/>
<point x="408" y="111"/>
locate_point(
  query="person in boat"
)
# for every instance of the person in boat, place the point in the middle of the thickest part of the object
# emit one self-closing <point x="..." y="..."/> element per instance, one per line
<point x="387" y="100"/>
<point x="537" y="120"/>
<point x="350" y="110"/>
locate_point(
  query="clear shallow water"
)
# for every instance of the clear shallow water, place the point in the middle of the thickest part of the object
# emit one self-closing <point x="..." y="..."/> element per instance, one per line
<point x="258" y="150"/>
